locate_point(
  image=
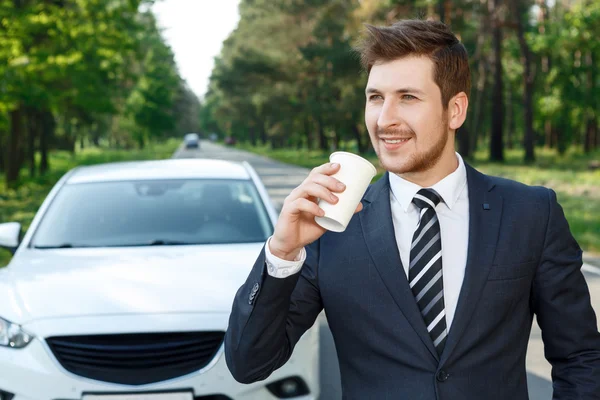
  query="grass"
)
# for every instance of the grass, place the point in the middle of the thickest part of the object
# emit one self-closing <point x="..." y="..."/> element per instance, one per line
<point x="577" y="187"/>
<point x="21" y="204"/>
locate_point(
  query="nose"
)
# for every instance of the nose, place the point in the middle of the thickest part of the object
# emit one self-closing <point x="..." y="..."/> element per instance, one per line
<point x="389" y="116"/>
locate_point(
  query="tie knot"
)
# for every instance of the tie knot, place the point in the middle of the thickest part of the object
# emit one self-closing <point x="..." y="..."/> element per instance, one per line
<point x="426" y="198"/>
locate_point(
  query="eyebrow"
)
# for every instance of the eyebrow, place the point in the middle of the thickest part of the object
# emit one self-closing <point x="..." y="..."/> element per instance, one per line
<point x="398" y="91"/>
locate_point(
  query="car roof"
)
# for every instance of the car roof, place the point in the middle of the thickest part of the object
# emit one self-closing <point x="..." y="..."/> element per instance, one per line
<point x="188" y="168"/>
<point x="191" y="135"/>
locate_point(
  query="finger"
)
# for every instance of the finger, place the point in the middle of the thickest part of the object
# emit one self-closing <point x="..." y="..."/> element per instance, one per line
<point x="305" y="205"/>
<point x="326" y="169"/>
<point x="312" y="190"/>
<point x="331" y="183"/>
<point x="359" y="208"/>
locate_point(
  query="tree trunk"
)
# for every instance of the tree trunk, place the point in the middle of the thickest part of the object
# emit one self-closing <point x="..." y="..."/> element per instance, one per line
<point x="252" y="133"/>
<point x="481" y="87"/>
<point x="46" y="133"/>
<point x="528" y="81"/>
<point x="464" y="141"/>
<point x="546" y="62"/>
<point x="13" y="157"/>
<point x="321" y="133"/>
<point x="33" y="127"/>
<point x="548" y="133"/>
<point x="592" y="122"/>
<point x="358" y="137"/>
<point x="3" y="135"/>
<point x="597" y="130"/>
<point x="510" y="117"/>
<point x="529" y="139"/>
<point x="590" y="134"/>
<point x="477" y="131"/>
<point x="561" y="137"/>
<point x="307" y="133"/>
<point x="497" y="109"/>
<point x="263" y="133"/>
<point x="335" y="145"/>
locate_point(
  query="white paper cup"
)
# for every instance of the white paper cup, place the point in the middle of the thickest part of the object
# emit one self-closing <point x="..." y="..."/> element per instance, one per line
<point x="356" y="173"/>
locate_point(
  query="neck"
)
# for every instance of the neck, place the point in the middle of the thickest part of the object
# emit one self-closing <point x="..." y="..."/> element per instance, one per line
<point x="446" y="165"/>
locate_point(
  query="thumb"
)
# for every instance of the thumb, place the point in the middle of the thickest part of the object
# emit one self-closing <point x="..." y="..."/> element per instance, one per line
<point x="358" y="208"/>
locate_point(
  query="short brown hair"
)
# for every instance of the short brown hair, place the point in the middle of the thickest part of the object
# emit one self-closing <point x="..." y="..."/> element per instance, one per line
<point x="421" y="38"/>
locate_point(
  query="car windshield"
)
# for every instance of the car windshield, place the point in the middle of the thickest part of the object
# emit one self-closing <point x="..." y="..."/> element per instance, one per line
<point x="148" y="213"/>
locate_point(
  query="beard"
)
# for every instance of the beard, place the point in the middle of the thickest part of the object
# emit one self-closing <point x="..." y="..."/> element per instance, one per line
<point x="418" y="161"/>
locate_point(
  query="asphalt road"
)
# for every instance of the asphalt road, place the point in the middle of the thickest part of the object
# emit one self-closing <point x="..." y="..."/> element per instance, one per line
<point x="280" y="179"/>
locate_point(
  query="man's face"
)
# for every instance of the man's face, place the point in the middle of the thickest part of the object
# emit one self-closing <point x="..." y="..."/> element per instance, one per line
<point x="404" y="115"/>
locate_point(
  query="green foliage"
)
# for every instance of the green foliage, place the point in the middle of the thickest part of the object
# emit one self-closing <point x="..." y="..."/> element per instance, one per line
<point x="285" y="67"/>
<point x="287" y="75"/>
<point x="100" y="69"/>
<point x="152" y="100"/>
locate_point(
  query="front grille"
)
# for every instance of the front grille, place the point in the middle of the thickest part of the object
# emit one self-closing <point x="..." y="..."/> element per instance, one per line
<point x="136" y="359"/>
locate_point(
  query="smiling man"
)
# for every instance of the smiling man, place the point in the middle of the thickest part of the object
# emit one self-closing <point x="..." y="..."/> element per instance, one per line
<point x="431" y="291"/>
<point x="402" y="99"/>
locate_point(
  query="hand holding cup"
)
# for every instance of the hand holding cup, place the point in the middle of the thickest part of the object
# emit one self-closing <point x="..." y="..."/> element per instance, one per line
<point x="309" y="210"/>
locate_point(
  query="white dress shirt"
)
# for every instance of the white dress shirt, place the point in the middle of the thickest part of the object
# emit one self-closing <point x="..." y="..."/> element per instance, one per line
<point x="453" y="216"/>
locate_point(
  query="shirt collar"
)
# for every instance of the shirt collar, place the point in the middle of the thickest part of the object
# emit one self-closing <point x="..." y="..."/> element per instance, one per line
<point x="448" y="188"/>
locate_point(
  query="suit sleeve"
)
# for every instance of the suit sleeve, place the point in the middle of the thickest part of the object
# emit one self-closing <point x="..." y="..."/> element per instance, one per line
<point x="561" y="300"/>
<point x="268" y="317"/>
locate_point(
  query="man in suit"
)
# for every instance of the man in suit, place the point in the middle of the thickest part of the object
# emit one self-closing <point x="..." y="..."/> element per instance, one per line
<point x="431" y="290"/>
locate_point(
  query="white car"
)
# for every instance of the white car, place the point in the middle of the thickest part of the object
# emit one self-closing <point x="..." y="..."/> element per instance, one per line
<point x="123" y="284"/>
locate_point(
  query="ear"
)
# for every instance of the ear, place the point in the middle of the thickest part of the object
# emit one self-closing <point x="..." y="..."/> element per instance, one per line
<point x="457" y="110"/>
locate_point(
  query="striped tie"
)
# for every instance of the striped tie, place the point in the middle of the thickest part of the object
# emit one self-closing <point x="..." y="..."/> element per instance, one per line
<point x="425" y="270"/>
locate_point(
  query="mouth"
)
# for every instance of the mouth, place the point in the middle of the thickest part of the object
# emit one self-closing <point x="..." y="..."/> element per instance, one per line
<point x="395" y="141"/>
<point x="395" y="144"/>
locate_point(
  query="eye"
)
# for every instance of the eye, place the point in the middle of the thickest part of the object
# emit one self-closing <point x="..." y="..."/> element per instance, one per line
<point x="375" y="97"/>
<point x="408" y="97"/>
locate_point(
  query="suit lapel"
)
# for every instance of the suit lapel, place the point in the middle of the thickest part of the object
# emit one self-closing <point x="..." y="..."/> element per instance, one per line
<point x="485" y="211"/>
<point x="378" y="230"/>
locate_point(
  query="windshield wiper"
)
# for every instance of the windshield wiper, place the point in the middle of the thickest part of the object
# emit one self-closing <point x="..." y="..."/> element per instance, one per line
<point x="60" y="246"/>
<point x="163" y="242"/>
<point x="157" y="242"/>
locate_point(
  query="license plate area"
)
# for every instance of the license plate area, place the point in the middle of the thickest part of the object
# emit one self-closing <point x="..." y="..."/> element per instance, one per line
<point x="187" y="395"/>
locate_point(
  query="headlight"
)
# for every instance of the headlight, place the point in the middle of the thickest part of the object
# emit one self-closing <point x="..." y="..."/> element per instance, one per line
<point x="11" y="335"/>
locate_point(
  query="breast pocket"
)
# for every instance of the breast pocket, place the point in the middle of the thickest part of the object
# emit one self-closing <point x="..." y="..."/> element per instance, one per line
<point x="511" y="271"/>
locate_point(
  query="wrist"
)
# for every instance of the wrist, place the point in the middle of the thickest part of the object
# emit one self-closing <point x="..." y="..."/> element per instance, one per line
<point x="282" y="254"/>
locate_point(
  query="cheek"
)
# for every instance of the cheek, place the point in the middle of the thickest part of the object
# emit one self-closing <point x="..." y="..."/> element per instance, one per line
<point x="421" y="123"/>
<point x="371" y="117"/>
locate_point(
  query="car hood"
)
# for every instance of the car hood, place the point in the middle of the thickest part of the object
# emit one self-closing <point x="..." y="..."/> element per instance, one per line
<point x="85" y="282"/>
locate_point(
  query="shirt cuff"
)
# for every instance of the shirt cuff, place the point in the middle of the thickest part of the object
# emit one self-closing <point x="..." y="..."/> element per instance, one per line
<point x="278" y="268"/>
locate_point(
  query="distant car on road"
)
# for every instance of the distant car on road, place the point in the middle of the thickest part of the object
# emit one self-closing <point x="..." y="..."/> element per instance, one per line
<point x="122" y="286"/>
<point x="230" y="141"/>
<point x="192" y="141"/>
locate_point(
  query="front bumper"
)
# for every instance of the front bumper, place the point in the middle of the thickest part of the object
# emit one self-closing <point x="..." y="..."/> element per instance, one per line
<point x="33" y="373"/>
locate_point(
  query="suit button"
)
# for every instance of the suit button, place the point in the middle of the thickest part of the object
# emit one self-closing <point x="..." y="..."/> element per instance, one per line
<point x="442" y="376"/>
<point x="253" y="293"/>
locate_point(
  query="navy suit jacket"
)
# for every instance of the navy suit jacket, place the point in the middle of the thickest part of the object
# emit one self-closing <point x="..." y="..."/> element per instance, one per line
<point x="522" y="261"/>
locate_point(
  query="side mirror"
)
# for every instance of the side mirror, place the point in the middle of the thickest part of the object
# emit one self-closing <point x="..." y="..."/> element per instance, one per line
<point x="9" y="235"/>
